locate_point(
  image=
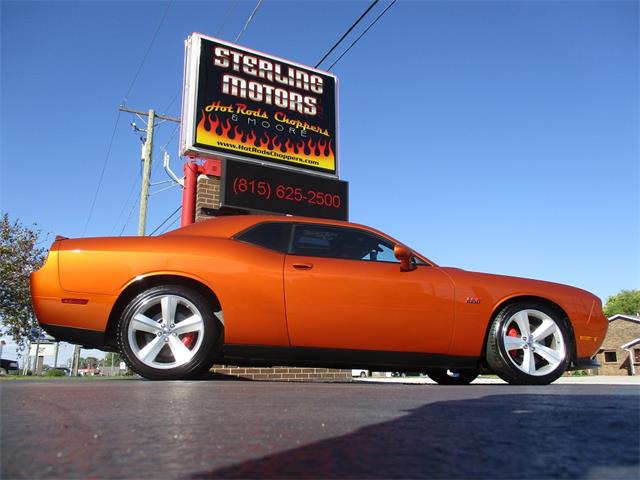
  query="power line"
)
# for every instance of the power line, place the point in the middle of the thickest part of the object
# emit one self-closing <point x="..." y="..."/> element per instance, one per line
<point x="104" y="167"/>
<point x="168" y="227"/>
<point x="373" y="4"/>
<point x="163" y="148"/>
<point x="175" y="97"/>
<point x="255" y="10"/>
<point x="166" y="220"/>
<point x="231" y="8"/>
<point x="362" y="34"/>
<point x="147" y="155"/>
<point x="126" y="202"/>
<point x="222" y="25"/>
<point x="133" y="207"/>
<point x="144" y="58"/>
<point x="115" y="127"/>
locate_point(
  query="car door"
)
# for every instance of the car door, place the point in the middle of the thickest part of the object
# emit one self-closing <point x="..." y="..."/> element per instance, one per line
<point x="344" y="289"/>
<point x="254" y="297"/>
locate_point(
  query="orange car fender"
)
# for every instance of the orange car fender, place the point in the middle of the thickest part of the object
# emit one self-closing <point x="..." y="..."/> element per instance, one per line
<point x="479" y="297"/>
<point x="169" y="273"/>
<point x="267" y="330"/>
<point x="584" y="325"/>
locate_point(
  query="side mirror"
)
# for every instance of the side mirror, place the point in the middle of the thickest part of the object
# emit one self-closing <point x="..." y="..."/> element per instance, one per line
<point x="405" y="255"/>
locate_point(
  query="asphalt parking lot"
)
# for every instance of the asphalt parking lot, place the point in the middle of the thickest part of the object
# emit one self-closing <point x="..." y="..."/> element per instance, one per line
<point x="70" y="428"/>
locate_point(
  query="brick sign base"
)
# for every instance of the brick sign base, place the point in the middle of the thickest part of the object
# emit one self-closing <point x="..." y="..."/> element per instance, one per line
<point x="289" y="374"/>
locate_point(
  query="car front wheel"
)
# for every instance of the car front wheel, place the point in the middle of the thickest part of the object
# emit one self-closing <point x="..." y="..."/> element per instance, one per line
<point x="528" y="344"/>
<point x="169" y="332"/>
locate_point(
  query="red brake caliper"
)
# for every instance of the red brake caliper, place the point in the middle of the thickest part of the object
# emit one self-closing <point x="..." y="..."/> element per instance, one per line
<point x="188" y="339"/>
<point x="513" y="332"/>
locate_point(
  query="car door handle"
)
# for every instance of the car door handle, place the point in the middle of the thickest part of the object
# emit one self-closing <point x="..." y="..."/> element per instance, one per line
<point x="303" y="266"/>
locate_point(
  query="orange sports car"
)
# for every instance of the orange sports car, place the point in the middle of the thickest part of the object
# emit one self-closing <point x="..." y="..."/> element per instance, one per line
<point x="275" y="290"/>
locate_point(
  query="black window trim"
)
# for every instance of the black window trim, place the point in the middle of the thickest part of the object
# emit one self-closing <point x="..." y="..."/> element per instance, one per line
<point x="295" y="224"/>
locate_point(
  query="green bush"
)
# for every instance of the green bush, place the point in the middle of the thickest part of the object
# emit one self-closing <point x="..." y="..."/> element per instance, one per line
<point x="54" y="373"/>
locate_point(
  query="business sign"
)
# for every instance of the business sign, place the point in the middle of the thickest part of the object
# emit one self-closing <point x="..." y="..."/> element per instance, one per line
<point x="239" y="103"/>
<point x="42" y="350"/>
<point x="256" y="187"/>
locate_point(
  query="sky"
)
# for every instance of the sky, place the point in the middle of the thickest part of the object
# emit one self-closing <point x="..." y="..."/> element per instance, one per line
<point x="498" y="136"/>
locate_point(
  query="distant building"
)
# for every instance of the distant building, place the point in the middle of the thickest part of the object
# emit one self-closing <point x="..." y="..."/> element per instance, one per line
<point x="620" y="352"/>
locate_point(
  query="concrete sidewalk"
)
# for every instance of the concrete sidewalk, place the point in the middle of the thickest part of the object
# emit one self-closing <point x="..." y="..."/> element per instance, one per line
<point x="489" y="380"/>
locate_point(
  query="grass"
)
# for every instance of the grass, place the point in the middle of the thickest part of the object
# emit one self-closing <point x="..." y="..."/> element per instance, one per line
<point x="5" y="378"/>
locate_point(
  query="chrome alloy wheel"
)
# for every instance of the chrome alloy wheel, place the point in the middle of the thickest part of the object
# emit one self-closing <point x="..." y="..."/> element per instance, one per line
<point x="534" y="342"/>
<point x="166" y="331"/>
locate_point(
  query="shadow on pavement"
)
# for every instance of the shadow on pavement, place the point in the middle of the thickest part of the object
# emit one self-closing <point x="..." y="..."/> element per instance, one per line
<point x="210" y="376"/>
<point x="501" y="436"/>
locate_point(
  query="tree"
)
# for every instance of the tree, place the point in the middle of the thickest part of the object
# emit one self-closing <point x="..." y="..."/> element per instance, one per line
<point x="625" y="302"/>
<point x="20" y="254"/>
<point x="89" y="362"/>
<point x="113" y="359"/>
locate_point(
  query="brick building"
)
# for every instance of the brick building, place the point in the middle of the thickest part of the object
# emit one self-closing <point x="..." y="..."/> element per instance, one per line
<point x="207" y="205"/>
<point x="620" y="352"/>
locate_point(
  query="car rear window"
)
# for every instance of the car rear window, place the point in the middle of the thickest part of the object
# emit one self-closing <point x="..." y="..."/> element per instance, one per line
<point x="271" y="235"/>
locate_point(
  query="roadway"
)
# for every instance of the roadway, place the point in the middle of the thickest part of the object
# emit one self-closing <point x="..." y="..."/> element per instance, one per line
<point x="71" y="428"/>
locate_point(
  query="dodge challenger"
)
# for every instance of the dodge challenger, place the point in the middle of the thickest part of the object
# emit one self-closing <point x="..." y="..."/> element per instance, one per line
<point x="275" y="290"/>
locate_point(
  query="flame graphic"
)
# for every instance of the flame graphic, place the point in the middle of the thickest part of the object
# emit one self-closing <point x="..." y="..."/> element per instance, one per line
<point x="217" y="133"/>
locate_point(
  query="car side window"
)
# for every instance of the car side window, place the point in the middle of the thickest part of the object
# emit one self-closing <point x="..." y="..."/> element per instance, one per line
<point x="340" y="242"/>
<point x="272" y="235"/>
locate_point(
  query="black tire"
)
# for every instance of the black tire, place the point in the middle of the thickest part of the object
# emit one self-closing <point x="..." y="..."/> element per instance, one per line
<point x="363" y="374"/>
<point x="529" y="359"/>
<point x="162" y="336"/>
<point x="445" y="376"/>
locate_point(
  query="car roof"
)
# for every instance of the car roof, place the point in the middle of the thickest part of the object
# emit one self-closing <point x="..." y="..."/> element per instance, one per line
<point x="229" y="225"/>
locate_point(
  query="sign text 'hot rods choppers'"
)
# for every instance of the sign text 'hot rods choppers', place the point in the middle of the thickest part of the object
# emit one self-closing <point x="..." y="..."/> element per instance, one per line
<point x="243" y="104"/>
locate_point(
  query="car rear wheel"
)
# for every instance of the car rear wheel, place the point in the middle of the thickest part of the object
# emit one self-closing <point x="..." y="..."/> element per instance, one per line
<point x="528" y="344"/>
<point x="452" y="377"/>
<point x="169" y="332"/>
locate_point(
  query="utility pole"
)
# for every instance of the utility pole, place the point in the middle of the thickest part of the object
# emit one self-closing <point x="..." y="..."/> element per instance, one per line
<point x="147" y="153"/>
<point x="35" y="360"/>
<point x="55" y="360"/>
<point x="25" y="368"/>
<point x="76" y="360"/>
